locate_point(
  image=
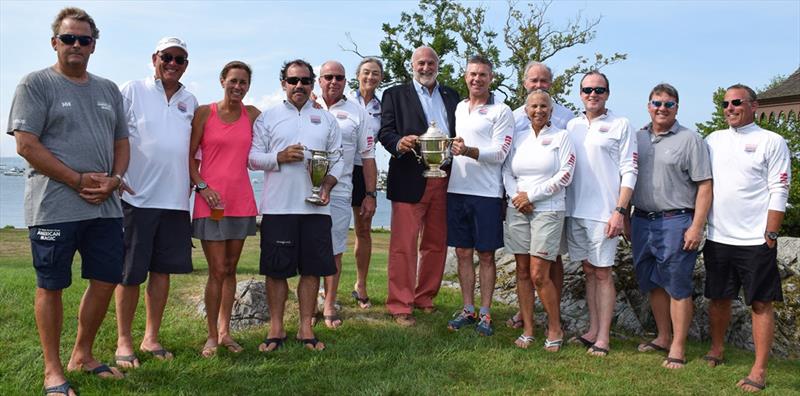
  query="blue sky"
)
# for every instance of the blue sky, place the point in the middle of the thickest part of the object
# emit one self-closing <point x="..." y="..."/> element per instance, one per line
<point x="695" y="45"/>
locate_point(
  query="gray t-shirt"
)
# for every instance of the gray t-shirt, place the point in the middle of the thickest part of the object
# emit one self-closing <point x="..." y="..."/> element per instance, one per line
<point x="79" y="124"/>
<point x="670" y="165"/>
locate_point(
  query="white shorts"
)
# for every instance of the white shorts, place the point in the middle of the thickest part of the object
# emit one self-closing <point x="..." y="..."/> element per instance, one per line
<point x="586" y="240"/>
<point x="340" y="220"/>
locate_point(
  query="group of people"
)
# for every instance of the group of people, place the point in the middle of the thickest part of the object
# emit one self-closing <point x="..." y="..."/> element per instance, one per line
<point x="112" y="170"/>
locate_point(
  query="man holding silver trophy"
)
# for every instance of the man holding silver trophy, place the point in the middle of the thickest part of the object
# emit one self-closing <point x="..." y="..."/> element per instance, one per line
<point x="418" y="203"/>
<point x="295" y="228"/>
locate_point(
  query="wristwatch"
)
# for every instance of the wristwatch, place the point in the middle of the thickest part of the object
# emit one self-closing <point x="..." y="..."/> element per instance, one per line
<point x="200" y="187"/>
<point x="772" y="235"/>
<point x="621" y="210"/>
<point x="372" y="194"/>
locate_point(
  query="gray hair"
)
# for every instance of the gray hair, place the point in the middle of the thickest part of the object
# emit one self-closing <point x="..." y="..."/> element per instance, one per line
<point x="422" y="47"/>
<point x="533" y="64"/>
<point x="666" y="89"/>
<point x="369" y="59"/>
<point x="750" y="92"/>
<point x="542" y="93"/>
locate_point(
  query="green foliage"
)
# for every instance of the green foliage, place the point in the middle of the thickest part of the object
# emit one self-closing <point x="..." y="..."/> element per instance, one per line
<point x="717" y="121"/>
<point x="456" y="32"/>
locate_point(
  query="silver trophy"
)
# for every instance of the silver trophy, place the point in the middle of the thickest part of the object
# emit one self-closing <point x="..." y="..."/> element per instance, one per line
<point x="434" y="151"/>
<point x="318" y="166"/>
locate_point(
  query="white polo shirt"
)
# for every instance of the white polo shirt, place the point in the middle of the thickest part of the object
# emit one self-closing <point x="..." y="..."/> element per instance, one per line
<point x="559" y="119"/>
<point x="606" y="157"/>
<point x="286" y="186"/>
<point x="356" y="140"/>
<point x="160" y="130"/>
<point x="541" y="166"/>
<point x="373" y="109"/>
<point x="752" y="172"/>
<point x="490" y="128"/>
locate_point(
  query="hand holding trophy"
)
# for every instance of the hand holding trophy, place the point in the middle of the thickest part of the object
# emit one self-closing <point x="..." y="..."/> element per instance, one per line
<point x="434" y="151"/>
<point x="318" y="166"/>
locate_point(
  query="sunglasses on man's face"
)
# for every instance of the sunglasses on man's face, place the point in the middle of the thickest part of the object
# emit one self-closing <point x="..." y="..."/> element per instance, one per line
<point x="658" y="103"/>
<point x="167" y="58"/>
<point x="69" y="39"/>
<point x="597" y="90"/>
<point x="301" y="80"/>
<point x="329" y="77"/>
<point x="735" y="103"/>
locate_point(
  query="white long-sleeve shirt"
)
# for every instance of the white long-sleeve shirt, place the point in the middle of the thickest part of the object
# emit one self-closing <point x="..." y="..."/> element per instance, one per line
<point x="752" y="170"/>
<point x="490" y="128"/>
<point x="606" y="161"/>
<point x="541" y="166"/>
<point x="356" y="141"/>
<point x="287" y="185"/>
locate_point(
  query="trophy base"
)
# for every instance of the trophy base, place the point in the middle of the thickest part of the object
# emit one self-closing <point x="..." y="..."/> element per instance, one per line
<point x="316" y="200"/>
<point x="434" y="174"/>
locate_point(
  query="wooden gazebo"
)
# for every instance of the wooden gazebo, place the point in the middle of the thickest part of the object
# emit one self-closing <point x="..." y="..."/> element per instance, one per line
<point x="782" y="101"/>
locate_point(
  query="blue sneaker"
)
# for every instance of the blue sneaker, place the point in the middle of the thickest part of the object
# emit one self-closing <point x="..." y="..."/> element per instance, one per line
<point x="461" y="319"/>
<point x="484" y="327"/>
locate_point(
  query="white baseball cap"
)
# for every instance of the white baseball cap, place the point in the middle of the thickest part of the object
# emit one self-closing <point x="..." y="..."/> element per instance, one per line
<point x="170" y="42"/>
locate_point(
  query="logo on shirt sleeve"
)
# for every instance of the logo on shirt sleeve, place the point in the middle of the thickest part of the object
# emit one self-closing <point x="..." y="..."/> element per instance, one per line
<point x="635" y="159"/>
<point x="506" y="143"/>
<point x="785" y="179"/>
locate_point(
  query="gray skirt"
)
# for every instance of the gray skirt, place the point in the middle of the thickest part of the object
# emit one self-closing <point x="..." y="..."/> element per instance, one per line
<point x="219" y="230"/>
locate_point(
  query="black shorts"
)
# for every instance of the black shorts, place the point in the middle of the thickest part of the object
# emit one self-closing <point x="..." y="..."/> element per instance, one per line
<point x="53" y="247"/>
<point x="359" y="188"/>
<point x="156" y="240"/>
<point x="296" y="244"/>
<point x="754" y="268"/>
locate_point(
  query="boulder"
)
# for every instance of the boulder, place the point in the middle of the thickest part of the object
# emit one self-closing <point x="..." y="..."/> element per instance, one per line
<point x="249" y="305"/>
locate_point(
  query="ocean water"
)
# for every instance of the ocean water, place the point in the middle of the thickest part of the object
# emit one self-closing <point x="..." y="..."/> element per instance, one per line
<point x="12" y="191"/>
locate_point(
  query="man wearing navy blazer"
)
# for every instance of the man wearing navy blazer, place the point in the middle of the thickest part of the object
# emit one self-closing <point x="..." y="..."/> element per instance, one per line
<point x="418" y="204"/>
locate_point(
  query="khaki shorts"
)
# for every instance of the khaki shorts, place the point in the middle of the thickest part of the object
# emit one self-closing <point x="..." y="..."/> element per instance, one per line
<point x="340" y="217"/>
<point x="586" y="240"/>
<point x="538" y="234"/>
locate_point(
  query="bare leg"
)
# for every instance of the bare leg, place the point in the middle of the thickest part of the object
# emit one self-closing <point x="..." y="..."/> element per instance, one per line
<point x="488" y="276"/>
<point x="540" y="272"/>
<point x="660" y="304"/>
<point x="307" y="294"/>
<point x="362" y="250"/>
<point x="606" y="298"/>
<point x="681" y="313"/>
<point x="763" y="317"/>
<point x="277" y="292"/>
<point x="719" y="312"/>
<point x="525" y="292"/>
<point x="557" y="276"/>
<point x="126" y="299"/>
<point x="331" y="290"/>
<point x="591" y="301"/>
<point x="217" y="271"/>
<point x="49" y="313"/>
<point x="91" y="313"/>
<point x="466" y="275"/>
<point x="155" y="300"/>
<point x="233" y="250"/>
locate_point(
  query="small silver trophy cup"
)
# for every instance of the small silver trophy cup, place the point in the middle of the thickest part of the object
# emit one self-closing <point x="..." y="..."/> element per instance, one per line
<point x="434" y="151"/>
<point x="318" y="166"/>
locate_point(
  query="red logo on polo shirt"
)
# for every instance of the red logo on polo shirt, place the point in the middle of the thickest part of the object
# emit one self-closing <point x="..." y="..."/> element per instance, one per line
<point x="635" y="159"/>
<point x="750" y="147"/>
<point x="785" y="179"/>
<point x="182" y="107"/>
<point x="603" y="129"/>
<point x="506" y="143"/>
<point x="571" y="160"/>
<point x="565" y="178"/>
<point x="315" y="119"/>
<point x="483" y="111"/>
<point x="341" y="115"/>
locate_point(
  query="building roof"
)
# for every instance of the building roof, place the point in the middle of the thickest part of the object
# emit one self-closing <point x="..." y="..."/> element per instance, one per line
<point x="789" y="87"/>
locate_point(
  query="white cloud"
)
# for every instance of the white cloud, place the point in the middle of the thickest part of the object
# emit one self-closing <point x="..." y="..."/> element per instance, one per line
<point x="266" y="100"/>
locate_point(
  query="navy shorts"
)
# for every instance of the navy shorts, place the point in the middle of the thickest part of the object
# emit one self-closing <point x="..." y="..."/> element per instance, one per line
<point x="474" y="222"/>
<point x="296" y="244"/>
<point x="53" y="247"/>
<point x="658" y="255"/>
<point x="156" y="240"/>
<point x="730" y="268"/>
<point x="359" y="188"/>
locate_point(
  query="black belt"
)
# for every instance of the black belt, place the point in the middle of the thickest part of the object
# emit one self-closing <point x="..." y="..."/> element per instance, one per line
<point x="658" y="215"/>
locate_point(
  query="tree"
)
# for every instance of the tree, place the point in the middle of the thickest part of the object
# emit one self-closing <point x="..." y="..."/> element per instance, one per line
<point x="717" y="121"/>
<point x="457" y="32"/>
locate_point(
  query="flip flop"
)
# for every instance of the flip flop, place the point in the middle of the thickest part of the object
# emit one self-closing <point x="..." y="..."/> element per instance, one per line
<point x="269" y="341"/>
<point x="363" y="302"/>
<point x="515" y="322"/>
<point x="553" y="344"/>
<point x="62" y="389"/>
<point x="233" y="347"/>
<point x="748" y="381"/>
<point x="208" y="351"/>
<point x="331" y="319"/>
<point x="650" y="346"/>
<point x="312" y="342"/>
<point x="672" y="360"/>
<point x="160" y="354"/>
<point x="127" y="360"/>
<point x="713" y="361"/>
<point x="580" y="340"/>
<point x="594" y="350"/>
<point x="526" y="340"/>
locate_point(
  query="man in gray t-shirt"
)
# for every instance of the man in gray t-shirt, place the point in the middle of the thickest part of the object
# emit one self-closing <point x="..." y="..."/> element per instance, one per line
<point x="70" y="127"/>
<point x="671" y="202"/>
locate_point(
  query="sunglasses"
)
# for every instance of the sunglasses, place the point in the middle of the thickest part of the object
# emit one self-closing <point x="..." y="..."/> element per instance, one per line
<point x="735" y="103"/>
<point x="69" y="39"/>
<point x="301" y="80"/>
<point x="329" y="77"/>
<point x="597" y="90"/>
<point x="657" y="103"/>
<point x="167" y="58"/>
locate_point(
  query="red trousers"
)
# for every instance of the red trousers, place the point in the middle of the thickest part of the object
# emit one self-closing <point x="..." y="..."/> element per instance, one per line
<point x="414" y="281"/>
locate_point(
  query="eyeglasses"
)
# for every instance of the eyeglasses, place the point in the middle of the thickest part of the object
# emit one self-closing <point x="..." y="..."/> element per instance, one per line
<point x="657" y="103"/>
<point x="301" y="80"/>
<point x="167" y="58"/>
<point x="329" y="77"/>
<point x="735" y="103"/>
<point x="69" y="39"/>
<point x="597" y="90"/>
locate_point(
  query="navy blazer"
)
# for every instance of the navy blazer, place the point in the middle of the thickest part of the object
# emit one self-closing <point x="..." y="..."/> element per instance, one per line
<point x="402" y="115"/>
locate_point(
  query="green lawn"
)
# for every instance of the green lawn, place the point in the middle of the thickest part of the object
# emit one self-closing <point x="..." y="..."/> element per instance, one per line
<point x="368" y="355"/>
